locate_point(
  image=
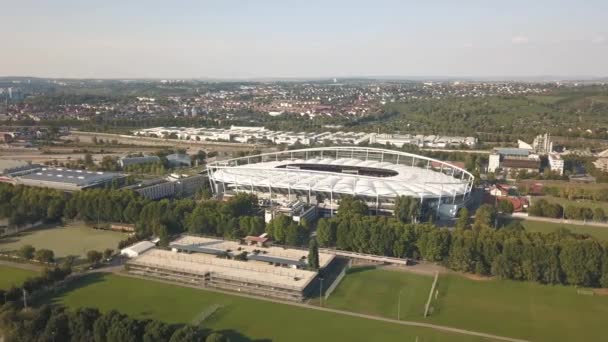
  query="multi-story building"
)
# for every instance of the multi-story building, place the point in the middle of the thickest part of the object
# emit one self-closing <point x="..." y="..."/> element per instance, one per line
<point x="508" y="159"/>
<point x="556" y="163"/>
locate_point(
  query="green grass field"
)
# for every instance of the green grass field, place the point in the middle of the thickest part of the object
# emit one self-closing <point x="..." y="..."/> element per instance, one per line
<point x="600" y="233"/>
<point x="256" y="319"/>
<point x="72" y="239"/>
<point x="389" y="288"/>
<point x="10" y="276"/>
<point x="508" y="308"/>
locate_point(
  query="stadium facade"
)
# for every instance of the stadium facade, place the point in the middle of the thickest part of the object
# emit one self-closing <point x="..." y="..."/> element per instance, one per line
<point x="321" y="176"/>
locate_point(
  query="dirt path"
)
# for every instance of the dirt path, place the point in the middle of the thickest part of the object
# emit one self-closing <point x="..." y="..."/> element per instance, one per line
<point x="524" y="216"/>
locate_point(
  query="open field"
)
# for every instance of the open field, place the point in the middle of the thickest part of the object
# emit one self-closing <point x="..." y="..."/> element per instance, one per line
<point x="256" y="319"/>
<point x="10" y="276"/>
<point x="72" y="239"/>
<point x="508" y="308"/>
<point x="381" y="298"/>
<point x="600" y="233"/>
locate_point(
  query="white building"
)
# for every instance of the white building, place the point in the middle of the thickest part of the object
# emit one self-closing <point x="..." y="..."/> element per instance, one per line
<point x="556" y="163"/>
<point x="137" y="249"/>
<point x="493" y="162"/>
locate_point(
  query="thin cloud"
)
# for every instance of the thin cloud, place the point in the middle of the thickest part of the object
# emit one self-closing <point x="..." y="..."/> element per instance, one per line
<point x="598" y="39"/>
<point x="520" y="40"/>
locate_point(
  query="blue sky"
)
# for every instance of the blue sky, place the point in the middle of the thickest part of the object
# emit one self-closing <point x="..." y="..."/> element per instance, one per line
<point x="241" y="39"/>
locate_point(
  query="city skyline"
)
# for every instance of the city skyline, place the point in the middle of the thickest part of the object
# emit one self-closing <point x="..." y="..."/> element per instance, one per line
<point x="242" y="40"/>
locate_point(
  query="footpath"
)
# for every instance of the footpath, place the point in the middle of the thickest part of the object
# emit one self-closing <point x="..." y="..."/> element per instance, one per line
<point x="525" y="216"/>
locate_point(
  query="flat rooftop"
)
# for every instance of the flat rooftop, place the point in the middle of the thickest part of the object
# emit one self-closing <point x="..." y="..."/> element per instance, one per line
<point x="81" y="178"/>
<point x="281" y="254"/>
<point x="243" y="271"/>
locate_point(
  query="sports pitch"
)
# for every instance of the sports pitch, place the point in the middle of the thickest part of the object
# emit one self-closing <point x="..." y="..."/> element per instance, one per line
<point x="10" y="276"/>
<point x="389" y="293"/>
<point x="256" y="319"/>
<point x="508" y="308"/>
<point x="71" y="239"/>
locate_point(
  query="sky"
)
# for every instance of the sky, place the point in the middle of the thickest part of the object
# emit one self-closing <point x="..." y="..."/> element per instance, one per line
<point x="303" y="39"/>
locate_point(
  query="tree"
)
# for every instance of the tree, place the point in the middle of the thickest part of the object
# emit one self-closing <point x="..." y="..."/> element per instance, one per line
<point x="157" y="331"/>
<point x="57" y="327"/>
<point x="81" y="324"/>
<point x="27" y="252"/>
<point x="505" y="206"/>
<point x="484" y="217"/>
<point x="107" y="253"/>
<point x="216" y="337"/>
<point x="186" y="333"/>
<point x="599" y="215"/>
<point x="44" y="255"/>
<point x="313" y="254"/>
<point x="350" y="206"/>
<point x="326" y="233"/>
<point x="94" y="257"/>
<point x="463" y="218"/>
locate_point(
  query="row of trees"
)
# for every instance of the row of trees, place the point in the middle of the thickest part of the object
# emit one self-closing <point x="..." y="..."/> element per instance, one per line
<point x="22" y="204"/>
<point x="510" y="252"/>
<point x="49" y="277"/>
<point x="575" y="193"/>
<point x="57" y="323"/>
<point x="28" y="252"/>
<point x="234" y="218"/>
<point x="544" y="208"/>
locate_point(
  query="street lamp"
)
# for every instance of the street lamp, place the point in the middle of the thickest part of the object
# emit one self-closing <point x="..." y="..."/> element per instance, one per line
<point x="399" y="305"/>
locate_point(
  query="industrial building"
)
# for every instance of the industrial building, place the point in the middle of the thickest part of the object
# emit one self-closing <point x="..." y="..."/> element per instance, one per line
<point x="126" y="161"/>
<point x="173" y="186"/>
<point x="244" y="134"/>
<point x="507" y="159"/>
<point x="275" y="272"/>
<point x="60" y="178"/>
<point x="321" y="176"/>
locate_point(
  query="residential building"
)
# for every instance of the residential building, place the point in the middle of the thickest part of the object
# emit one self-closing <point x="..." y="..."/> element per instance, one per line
<point x="556" y="163"/>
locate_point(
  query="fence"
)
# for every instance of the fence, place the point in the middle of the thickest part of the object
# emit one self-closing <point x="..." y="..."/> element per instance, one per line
<point x="336" y="282"/>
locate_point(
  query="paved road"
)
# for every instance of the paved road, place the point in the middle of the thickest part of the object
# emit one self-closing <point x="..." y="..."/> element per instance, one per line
<point x="442" y="328"/>
<point x="525" y="216"/>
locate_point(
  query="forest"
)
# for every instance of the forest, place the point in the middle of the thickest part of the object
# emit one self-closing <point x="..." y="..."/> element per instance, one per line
<point x="477" y="247"/>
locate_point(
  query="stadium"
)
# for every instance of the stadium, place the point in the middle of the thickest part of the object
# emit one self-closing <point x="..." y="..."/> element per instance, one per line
<point x="321" y="176"/>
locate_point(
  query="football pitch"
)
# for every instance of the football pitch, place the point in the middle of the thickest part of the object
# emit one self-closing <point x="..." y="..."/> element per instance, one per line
<point x="70" y="239"/>
<point x="255" y="319"/>
<point x="508" y="308"/>
<point x="382" y="293"/>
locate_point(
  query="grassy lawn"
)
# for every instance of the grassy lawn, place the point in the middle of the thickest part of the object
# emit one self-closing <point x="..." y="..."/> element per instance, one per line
<point x="72" y="239"/>
<point x="599" y="233"/>
<point x="381" y="297"/>
<point x="256" y="319"/>
<point x="10" y="276"/>
<point x="508" y="308"/>
<point x="521" y="309"/>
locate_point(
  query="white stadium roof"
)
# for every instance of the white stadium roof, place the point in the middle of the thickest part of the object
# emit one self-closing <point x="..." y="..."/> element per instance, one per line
<point x="401" y="177"/>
